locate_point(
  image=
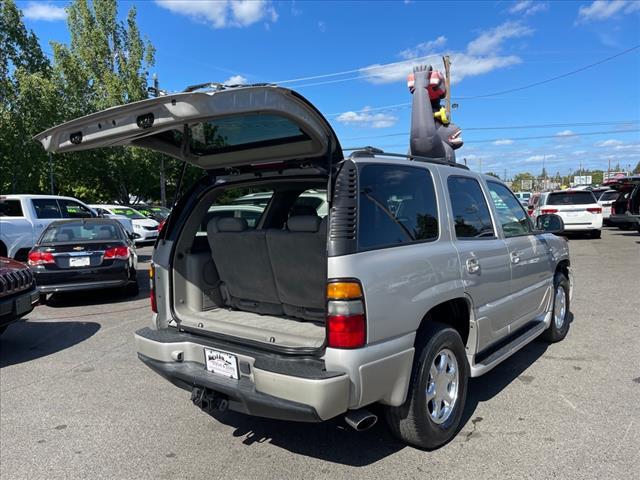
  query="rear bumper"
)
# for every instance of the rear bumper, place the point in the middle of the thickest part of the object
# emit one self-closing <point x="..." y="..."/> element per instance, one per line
<point x="14" y="308"/>
<point x="146" y="235"/>
<point x="77" y="287"/>
<point x="581" y="227"/>
<point x="279" y="387"/>
<point x="621" y="219"/>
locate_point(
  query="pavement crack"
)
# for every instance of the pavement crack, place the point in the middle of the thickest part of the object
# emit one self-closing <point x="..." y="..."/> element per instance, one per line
<point x="474" y="422"/>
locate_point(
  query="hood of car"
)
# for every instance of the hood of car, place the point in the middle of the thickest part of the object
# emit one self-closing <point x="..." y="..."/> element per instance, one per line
<point x="145" y="222"/>
<point x="226" y="127"/>
<point x="9" y="265"/>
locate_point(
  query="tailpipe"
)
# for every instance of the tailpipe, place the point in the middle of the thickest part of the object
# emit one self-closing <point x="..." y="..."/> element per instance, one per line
<point x="360" y="420"/>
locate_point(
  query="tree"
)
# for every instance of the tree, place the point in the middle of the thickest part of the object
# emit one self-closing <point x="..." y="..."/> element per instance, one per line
<point x="517" y="180"/>
<point x="28" y="104"/>
<point x="105" y="64"/>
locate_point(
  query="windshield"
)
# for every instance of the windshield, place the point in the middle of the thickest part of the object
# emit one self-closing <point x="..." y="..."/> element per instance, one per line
<point x="608" y="196"/>
<point x="571" y="198"/>
<point x="80" y="232"/>
<point x="129" y="212"/>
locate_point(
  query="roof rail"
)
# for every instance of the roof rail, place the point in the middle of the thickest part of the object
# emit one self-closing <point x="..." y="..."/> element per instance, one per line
<point x="221" y="86"/>
<point x="369" y="151"/>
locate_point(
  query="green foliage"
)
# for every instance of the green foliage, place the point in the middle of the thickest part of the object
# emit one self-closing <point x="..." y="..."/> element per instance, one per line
<point x="637" y="169"/>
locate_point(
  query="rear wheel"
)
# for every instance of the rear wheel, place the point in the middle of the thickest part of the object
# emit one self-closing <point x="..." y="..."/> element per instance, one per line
<point x="132" y="289"/>
<point x="560" y="314"/>
<point x="3" y="328"/>
<point x="431" y="415"/>
<point x="43" y="299"/>
<point x="596" y="233"/>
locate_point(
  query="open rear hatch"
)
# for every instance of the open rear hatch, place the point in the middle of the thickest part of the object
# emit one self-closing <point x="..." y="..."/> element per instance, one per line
<point x="223" y="128"/>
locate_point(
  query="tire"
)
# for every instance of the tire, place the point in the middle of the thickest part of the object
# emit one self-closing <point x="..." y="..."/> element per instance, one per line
<point x="559" y="329"/>
<point x="43" y="299"/>
<point x="412" y="421"/>
<point x="3" y="329"/>
<point x="132" y="289"/>
<point x="596" y="233"/>
<point x="624" y="226"/>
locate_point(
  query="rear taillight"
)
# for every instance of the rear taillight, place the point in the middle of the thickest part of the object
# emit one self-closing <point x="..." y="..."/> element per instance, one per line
<point x="547" y="211"/>
<point x="594" y="210"/>
<point x="117" y="253"/>
<point x="40" y="258"/>
<point x="346" y="320"/>
<point x="152" y="289"/>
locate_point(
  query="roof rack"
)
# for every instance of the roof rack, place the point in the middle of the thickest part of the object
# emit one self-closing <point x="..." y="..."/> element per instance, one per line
<point x="221" y="86"/>
<point x="369" y="151"/>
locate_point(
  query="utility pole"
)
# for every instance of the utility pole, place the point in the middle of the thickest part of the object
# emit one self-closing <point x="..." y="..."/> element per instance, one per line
<point x="51" y="173"/>
<point x="480" y="164"/>
<point x="163" y="187"/>
<point x="447" y="82"/>
<point x="505" y="175"/>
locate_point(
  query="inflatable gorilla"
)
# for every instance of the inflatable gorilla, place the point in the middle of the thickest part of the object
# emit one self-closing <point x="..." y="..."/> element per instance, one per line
<point x="432" y="134"/>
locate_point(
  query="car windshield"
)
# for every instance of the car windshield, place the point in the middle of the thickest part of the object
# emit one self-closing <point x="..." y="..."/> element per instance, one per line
<point x="608" y="196"/>
<point x="129" y="212"/>
<point x="80" y="232"/>
<point x="571" y="198"/>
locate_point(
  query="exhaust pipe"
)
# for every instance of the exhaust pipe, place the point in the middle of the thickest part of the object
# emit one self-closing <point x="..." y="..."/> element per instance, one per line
<point x="360" y="420"/>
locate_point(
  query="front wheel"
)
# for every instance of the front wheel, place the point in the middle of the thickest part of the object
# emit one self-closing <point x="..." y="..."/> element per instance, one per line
<point x="596" y="233"/>
<point x="432" y="412"/>
<point x="560" y="313"/>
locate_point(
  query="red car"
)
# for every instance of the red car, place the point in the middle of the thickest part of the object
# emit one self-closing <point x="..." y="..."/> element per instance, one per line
<point x="18" y="292"/>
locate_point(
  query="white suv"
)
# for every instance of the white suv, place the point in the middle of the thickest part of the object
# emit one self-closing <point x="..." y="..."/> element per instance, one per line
<point x="579" y="210"/>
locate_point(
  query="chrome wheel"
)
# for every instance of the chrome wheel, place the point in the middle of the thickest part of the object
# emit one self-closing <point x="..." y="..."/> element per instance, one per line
<point x="560" y="307"/>
<point x="442" y="386"/>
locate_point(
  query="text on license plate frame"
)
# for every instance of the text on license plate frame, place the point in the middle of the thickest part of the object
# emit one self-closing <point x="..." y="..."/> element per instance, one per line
<point x="221" y="363"/>
<point x="83" y="261"/>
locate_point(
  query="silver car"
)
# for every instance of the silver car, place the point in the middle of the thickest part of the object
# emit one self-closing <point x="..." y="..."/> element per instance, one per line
<point x="420" y="274"/>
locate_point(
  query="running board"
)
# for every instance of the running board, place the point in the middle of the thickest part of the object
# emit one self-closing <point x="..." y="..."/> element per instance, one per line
<point x="489" y="358"/>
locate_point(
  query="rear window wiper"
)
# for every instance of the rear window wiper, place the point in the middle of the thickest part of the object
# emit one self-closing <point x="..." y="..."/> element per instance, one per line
<point x="388" y="212"/>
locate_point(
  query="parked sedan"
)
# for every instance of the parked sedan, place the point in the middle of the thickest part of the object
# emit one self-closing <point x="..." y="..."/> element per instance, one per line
<point x="156" y="213"/>
<point x="145" y="229"/>
<point x="578" y="208"/>
<point x="18" y="293"/>
<point x="89" y="254"/>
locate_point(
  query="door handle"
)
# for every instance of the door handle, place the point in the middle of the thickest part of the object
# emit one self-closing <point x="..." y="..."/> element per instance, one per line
<point x="515" y="257"/>
<point x="473" y="265"/>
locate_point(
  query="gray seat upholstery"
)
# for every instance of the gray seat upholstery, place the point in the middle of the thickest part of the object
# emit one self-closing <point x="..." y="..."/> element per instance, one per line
<point x="242" y="260"/>
<point x="298" y="258"/>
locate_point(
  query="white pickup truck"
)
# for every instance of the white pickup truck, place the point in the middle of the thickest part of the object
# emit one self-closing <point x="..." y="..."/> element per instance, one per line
<point x="24" y="217"/>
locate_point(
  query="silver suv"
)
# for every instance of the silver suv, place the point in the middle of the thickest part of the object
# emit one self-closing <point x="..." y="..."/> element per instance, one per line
<point x="421" y="275"/>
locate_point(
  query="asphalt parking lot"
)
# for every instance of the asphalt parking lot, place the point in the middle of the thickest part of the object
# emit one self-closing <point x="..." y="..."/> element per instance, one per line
<point x="76" y="403"/>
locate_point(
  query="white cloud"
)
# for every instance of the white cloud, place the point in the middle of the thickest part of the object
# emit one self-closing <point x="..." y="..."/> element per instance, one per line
<point x="565" y="133"/>
<point x="528" y="7"/>
<point x="364" y="118"/>
<point x="236" y="80"/>
<point x="609" y="143"/>
<point x="506" y="141"/>
<point x="490" y="41"/>
<point x="424" y="48"/>
<point x="44" y="11"/>
<point x="539" y="158"/>
<point x="482" y="56"/>
<point x="602" y="10"/>
<point x="322" y="26"/>
<point x="223" y="13"/>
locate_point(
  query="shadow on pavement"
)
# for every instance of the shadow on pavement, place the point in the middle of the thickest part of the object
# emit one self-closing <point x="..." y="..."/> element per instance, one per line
<point x="24" y="341"/>
<point x="97" y="297"/>
<point x="333" y="441"/>
<point x="626" y="234"/>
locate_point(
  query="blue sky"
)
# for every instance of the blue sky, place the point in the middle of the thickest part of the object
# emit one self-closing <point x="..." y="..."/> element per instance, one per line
<point x="351" y="60"/>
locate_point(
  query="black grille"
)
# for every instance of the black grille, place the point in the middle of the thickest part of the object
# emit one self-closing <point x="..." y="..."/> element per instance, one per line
<point x="150" y="228"/>
<point x="343" y="223"/>
<point x="15" y="281"/>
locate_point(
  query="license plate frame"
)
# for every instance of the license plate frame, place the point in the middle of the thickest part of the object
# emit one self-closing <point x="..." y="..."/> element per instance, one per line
<point x="221" y="363"/>
<point x="83" y="261"/>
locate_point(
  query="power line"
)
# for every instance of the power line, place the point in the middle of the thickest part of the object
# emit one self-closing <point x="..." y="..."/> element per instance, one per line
<point x="512" y="127"/>
<point x="503" y="92"/>
<point x="537" y="137"/>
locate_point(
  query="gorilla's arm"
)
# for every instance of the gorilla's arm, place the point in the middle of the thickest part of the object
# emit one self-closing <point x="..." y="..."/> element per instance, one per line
<point x="424" y="140"/>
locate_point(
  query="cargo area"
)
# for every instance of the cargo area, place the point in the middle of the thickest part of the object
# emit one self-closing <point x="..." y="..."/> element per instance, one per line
<point x="251" y="264"/>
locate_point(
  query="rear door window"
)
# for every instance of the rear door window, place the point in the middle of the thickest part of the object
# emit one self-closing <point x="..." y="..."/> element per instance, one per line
<point x="71" y="209"/>
<point x="571" y="198"/>
<point x="46" y="208"/>
<point x="608" y="196"/>
<point x="397" y="206"/>
<point x="10" y="208"/>
<point x="471" y="216"/>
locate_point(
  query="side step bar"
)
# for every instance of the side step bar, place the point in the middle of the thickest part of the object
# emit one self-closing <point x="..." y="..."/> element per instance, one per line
<point x="487" y="359"/>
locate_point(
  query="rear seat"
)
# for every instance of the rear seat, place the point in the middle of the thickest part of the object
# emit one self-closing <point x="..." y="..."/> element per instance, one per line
<point x="298" y="259"/>
<point x="242" y="259"/>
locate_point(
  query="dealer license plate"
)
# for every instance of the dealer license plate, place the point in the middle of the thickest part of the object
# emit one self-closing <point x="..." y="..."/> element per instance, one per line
<point x="79" y="261"/>
<point x="221" y="363"/>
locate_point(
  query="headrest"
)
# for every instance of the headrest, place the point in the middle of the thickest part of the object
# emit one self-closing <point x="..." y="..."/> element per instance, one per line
<point x="299" y="210"/>
<point x="229" y="224"/>
<point x="62" y="237"/>
<point x="304" y="223"/>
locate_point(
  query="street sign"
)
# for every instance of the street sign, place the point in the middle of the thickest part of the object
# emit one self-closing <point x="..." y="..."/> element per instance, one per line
<point x="526" y="184"/>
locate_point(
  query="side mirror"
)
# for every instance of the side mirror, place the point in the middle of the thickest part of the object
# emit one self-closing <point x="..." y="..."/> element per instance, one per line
<point x="133" y="236"/>
<point x="550" y="223"/>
